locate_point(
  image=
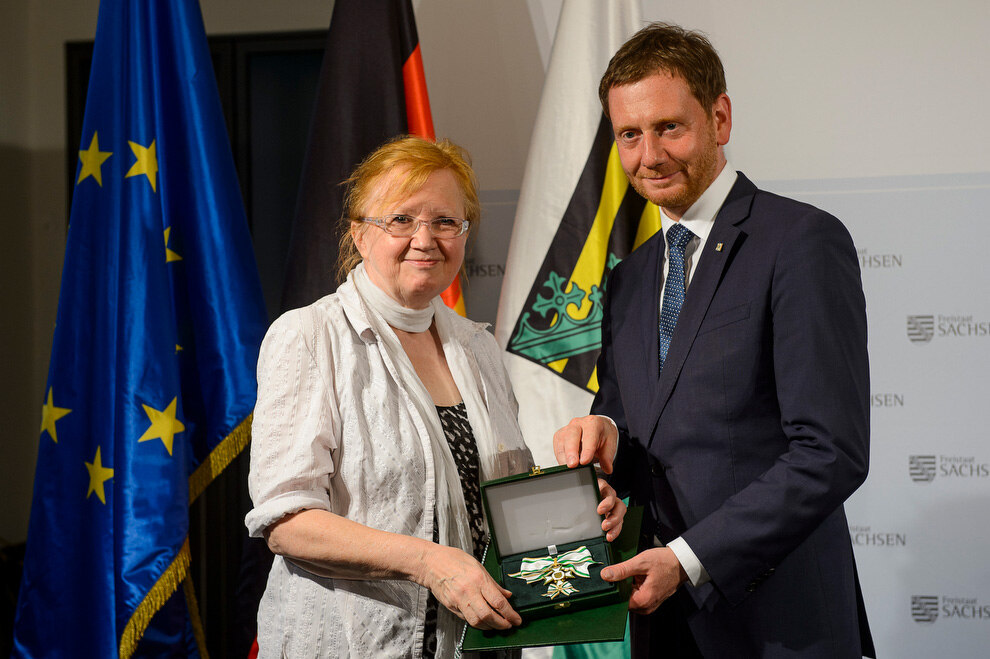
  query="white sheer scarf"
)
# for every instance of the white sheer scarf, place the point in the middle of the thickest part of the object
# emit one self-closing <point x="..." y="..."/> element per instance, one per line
<point x="393" y="313"/>
<point x="451" y="513"/>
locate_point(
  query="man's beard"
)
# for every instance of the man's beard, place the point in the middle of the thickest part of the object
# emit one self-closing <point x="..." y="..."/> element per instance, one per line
<point x="700" y="176"/>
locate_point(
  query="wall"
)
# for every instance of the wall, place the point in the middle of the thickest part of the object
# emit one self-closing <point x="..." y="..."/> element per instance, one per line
<point x="848" y="89"/>
<point x="20" y="392"/>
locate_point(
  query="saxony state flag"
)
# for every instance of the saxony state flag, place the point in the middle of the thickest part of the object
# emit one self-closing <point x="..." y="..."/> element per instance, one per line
<point x="577" y="218"/>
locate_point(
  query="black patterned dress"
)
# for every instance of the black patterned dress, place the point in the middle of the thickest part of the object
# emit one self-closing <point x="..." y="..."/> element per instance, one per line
<point x="457" y="430"/>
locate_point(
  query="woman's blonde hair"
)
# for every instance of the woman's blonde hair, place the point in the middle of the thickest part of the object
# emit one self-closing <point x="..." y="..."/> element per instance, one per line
<point x="419" y="158"/>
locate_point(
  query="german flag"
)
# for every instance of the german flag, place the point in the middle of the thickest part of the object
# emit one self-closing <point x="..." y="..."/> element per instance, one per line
<point x="372" y="88"/>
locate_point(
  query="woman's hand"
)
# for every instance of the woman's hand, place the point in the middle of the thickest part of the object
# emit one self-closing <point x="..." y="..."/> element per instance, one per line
<point x="614" y="510"/>
<point x="333" y="546"/>
<point x="461" y="584"/>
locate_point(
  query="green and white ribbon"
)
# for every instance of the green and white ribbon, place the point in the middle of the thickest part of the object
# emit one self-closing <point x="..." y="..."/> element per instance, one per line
<point x="556" y="570"/>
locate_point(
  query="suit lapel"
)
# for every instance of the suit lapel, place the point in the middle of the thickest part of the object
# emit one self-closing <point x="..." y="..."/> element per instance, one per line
<point x="707" y="276"/>
<point x="649" y="303"/>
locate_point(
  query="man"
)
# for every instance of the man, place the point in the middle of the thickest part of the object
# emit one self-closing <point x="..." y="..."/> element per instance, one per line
<point x="734" y="380"/>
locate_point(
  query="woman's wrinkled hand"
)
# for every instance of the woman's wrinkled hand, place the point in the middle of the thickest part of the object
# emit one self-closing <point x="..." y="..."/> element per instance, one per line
<point x="461" y="584"/>
<point x="614" y="510"/>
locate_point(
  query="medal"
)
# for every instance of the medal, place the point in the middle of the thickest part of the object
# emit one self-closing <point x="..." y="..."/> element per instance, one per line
<point x="555" y="571"/>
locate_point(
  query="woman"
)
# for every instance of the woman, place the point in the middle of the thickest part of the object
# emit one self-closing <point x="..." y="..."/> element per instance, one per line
<point x="378" y="411"/>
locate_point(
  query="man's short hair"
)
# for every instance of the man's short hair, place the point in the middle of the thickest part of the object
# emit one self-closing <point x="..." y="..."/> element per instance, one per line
<point x="670" y="48"/>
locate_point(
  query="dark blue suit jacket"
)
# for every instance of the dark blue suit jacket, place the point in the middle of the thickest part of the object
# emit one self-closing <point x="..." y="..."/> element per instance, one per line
<point x="757" y="430"/>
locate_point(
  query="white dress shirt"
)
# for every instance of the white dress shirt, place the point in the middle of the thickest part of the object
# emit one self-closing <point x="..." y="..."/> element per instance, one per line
<point x="699" y="218"/>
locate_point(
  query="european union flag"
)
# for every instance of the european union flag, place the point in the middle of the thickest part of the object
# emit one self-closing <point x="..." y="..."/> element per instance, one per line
<point x="152" y="376"/>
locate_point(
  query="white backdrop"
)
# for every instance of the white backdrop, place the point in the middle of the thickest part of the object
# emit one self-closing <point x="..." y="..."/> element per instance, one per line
<point x="876" y="112"/>
<point x="920" y="524"/>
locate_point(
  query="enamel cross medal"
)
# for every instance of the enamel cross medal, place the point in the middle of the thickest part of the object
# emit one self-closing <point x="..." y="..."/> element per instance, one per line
<point x="555" y="570"/>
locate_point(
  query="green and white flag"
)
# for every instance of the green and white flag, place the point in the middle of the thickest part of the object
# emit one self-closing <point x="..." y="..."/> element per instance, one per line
<point x="577" y="217"/>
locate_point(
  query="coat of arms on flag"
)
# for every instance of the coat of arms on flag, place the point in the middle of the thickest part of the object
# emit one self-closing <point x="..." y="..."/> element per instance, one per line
<point x="559" y="326"/>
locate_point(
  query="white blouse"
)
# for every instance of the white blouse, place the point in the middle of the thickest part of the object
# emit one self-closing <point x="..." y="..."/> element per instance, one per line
<point x="334" y="429"/>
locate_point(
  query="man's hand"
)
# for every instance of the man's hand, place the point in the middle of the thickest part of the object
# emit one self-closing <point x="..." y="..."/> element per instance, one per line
<point x="587" y="439"/>
<point x="656" y="576"/>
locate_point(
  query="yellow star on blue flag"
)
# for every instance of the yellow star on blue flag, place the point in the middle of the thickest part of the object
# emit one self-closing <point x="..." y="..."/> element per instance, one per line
<point x="169" y="254"/>
<point x="50" y="414"/>
<point x="91" y="161"/>
<point x="146" y="163"/>
<point x="164" y="425"/>
<point x="98" y="475"/>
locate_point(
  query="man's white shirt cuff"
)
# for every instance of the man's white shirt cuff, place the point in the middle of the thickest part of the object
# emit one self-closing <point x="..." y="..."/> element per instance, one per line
<point x="696" y="572"/>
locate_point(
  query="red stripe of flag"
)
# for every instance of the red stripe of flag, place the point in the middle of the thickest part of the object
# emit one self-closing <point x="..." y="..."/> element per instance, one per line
<point x="420" y="122"/>
<point x="418" y="115"/>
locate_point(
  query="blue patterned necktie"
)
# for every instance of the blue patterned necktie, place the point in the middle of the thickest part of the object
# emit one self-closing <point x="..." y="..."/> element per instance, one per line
<point x="673" y="288"/>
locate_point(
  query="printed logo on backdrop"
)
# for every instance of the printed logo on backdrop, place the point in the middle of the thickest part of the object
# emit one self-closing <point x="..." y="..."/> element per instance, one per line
<point x="866" y="536"/>
<point x="920" y="329"/>
<point x="926" y="609"/>
<point x="922" y="468"/>
<point x="926" y="468"/>
<point x="869" y="261"/>
<point x="888" y="399"/>
<point x="926" y="327"/>
<point x="475" y="270"/>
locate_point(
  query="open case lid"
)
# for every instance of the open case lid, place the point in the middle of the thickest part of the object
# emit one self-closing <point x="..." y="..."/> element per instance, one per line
<point x="554" y="507"/>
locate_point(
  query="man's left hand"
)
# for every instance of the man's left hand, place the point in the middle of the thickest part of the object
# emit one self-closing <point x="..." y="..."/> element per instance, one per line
<point x="656" y="576"/>
<point x="614" y="510"/>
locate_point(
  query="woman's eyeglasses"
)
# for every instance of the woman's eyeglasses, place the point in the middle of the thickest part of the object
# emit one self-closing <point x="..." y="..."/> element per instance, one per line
<point x="406" y="225"/>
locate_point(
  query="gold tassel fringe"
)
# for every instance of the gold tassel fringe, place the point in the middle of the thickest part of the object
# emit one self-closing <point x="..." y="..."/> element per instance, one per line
<point x="178" y="571"/>
<point x="166" y="585"/>
<point x="197" y="623"/>
<point x="220" y="457"/>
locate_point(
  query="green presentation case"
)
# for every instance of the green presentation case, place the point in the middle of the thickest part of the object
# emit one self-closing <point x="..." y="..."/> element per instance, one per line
<point x="528" y="513"/>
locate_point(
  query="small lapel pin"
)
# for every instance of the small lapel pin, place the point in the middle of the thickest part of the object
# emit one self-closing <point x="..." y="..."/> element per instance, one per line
<point x="718" y="247"/>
